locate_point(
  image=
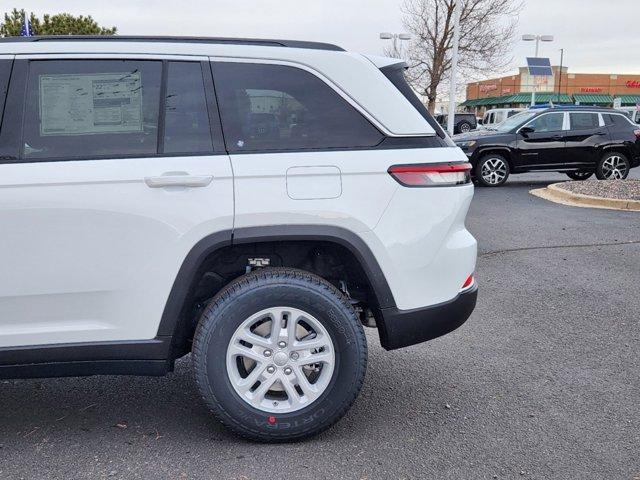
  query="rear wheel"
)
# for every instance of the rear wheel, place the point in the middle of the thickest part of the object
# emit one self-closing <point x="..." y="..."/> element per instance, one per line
<point x="579" y="175"/>
<point x="492" y="170"/>
<point x="279" y="355"/>
<point x="613" y="166"/>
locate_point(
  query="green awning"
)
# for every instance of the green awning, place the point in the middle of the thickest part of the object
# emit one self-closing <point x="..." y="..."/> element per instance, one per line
<point x="592" y="99"/>
<point x="629" y="99"/>
<point x="542" y="97"/>
<point x="469" y="103"/>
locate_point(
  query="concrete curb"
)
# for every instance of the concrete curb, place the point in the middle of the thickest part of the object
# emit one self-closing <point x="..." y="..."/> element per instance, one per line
<point x="554" y="193"/>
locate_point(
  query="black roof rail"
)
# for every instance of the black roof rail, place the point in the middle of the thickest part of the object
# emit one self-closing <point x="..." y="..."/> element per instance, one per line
<point x="169" y="39"/>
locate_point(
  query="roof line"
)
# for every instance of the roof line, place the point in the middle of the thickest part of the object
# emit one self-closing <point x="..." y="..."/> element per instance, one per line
<point x="170" y="39"/>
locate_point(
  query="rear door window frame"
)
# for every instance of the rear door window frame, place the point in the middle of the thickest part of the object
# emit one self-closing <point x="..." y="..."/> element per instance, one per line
<point x="11" y="138"/>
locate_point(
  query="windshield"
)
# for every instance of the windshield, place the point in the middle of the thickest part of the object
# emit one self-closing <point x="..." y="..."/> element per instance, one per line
<point x="513" y="122"/>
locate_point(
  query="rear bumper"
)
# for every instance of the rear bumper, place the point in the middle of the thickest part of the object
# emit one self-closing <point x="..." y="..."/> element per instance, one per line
<point x="402" y="328"/>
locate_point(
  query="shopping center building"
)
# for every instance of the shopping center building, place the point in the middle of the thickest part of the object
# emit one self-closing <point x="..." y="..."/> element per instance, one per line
<point x="563" y="87"/>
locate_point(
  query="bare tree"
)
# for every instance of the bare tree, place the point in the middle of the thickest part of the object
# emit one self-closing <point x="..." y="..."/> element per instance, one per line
<point x="487" y="28"/>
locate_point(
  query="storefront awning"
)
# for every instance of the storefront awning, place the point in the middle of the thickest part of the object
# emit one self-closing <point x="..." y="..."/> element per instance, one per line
<point x="629" y="99"/>
<point x="592" y="99"/>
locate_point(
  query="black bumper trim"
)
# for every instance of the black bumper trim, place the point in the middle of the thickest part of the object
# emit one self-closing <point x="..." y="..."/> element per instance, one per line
<point x="402" y="328"/>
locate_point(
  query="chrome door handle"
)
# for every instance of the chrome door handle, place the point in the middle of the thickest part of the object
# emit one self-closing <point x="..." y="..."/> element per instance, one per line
<point x="178" y="180"/>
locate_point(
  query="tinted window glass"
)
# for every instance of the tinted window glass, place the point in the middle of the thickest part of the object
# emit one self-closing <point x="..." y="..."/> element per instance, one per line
<point x="617" y="120"/>
<point x="550" y="122"/>
<point x="583" y="121"/>
<point x="5" y="72"/>
<point x="89" y="108"/>
<point x="186" y="128"/>
<point x="275" y="107"/>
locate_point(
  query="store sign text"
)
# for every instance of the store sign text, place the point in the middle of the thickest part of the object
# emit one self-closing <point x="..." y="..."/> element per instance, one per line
<point x="633" y="84"/>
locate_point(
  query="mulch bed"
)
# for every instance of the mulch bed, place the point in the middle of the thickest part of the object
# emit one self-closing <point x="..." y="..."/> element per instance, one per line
<point x="618" y="189"/>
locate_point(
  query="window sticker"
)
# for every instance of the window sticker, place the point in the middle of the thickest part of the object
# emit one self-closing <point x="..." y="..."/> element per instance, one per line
<point x="89" y="104"/>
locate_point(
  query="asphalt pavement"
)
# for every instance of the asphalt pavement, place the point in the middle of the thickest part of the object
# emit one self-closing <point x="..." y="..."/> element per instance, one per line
<point x="543" y="381"/>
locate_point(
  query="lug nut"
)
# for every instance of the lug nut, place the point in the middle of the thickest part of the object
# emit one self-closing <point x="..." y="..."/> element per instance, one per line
<point x="287" y="371"/>
<point x="267" y="353"/>
<point x="295" y="355"/>
<point x="282" y="344"/>
<point x="271" y="369"/>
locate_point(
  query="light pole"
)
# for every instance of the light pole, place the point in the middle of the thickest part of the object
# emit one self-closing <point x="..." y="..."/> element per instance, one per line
<point x="396" y="41"/>
<point x="538" y="39"/>
<point x="454" y="66"/>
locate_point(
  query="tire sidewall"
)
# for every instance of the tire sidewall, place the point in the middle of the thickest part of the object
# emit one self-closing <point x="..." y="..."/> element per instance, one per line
<point x="478" y="172"/>
<point x="600" y="174"/>
<point x="329" y="311"/>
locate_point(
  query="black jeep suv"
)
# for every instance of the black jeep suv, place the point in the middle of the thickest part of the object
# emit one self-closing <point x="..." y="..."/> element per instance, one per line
<point x="576" y="140"/>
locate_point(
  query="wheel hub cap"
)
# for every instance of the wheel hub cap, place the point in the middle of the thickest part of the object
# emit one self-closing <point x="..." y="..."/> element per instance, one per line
<point x="295" y="374"/>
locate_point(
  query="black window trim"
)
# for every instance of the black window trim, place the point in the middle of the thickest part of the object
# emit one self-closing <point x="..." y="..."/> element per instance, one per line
<point x="21" y="76"/>
<point x="4" y="100"/>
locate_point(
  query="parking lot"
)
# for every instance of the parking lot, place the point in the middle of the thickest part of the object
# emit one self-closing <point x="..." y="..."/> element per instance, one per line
<point x="542" y="382"/>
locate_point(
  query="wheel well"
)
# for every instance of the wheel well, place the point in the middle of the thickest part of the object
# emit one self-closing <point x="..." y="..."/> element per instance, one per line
<point x="330" y="260"/>
<point x="503" y="153"/>
<point x="617" y="149"/>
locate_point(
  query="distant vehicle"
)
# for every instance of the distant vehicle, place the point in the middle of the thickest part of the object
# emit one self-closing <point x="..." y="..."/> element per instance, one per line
<point x="579" y="141"/>
<point x="462" y="122"/>
<point x="632" y="112"/>
<point x="498" y="115"/>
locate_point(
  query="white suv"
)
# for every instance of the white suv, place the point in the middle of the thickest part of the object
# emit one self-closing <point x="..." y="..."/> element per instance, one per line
<point x="251" y="202"/>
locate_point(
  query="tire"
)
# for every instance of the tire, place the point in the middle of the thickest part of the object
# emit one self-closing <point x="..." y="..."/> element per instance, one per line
<point x="464" y="127"/>
<point x="492" y="170"/>
<point x="333" y="382"/>
<point x="579" y="175"/>
<point x="613" y="166"/>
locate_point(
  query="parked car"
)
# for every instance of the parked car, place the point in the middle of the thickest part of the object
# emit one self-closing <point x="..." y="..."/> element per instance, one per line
<point x="462" y="122"/>
<point x="495" y="116"/>
<point x="632" y="112"/>
<point x="145" y="217"/>
<point x="579" y="141"/>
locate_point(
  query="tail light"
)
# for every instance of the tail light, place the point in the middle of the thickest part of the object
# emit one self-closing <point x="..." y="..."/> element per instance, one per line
<point x="432" y="174"/>
<point x="637" y="134"/>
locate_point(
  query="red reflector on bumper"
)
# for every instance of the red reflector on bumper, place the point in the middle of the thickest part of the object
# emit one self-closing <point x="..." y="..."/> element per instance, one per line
<point x="468" y="282"/>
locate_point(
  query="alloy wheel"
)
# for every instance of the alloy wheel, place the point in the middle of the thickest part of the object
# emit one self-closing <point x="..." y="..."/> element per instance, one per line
<point x="615" y="167"/>
<point x="280" y="360"/>
<point x="494" y="171"/>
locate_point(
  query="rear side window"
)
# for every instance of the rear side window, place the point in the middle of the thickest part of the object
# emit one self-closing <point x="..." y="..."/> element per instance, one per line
<point x="584" y="121"/>
<point x="276" y="107"/>
<point x="616" y="120"/>
<point x="186" y="125"/>
<point x="91" y="108"/>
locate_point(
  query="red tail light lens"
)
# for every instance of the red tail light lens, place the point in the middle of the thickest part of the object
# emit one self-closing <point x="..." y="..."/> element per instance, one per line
<point x="432" y="174"/>
<point x="637" y="134"/>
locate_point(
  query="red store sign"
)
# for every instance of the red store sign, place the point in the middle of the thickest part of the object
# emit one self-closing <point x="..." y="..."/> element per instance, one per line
<point x="591" y="89"/>
<point x="488" y="88"/>
<point x="633" y="84"/>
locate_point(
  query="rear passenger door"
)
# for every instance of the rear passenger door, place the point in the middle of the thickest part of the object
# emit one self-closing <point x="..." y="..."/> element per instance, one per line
<point x="302" y="153"/>
<point x="584" y="138"/>
<point x="119" y="170"/>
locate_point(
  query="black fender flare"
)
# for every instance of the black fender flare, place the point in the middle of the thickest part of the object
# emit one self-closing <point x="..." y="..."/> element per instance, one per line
<point x="211" y="243"/>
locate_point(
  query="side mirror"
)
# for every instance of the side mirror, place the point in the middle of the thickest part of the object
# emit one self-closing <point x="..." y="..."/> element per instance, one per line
<point x="524" y="131"/>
